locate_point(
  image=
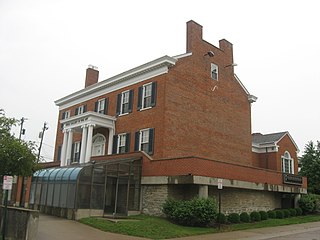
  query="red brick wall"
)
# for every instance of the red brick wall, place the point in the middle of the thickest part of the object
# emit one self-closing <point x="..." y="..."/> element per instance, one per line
<point x="286" y="144"/>
<point x="265" y="160"/>
<point x="202" y="122"/>
<point x="189" y="117"/>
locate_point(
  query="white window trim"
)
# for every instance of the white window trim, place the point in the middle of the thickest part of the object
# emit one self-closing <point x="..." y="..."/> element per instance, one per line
<point x="100" y="103"/>
<point x="103" y="144"/>
<point x="140" y="137"/>
<point x="122" y="102"/>
<point x="67" y="114"/>
<point x="119" y="141"/>
<point x="290" y="161"/>
<point x="81" y="109"/>
<point x="76" y="144"/>
<point x="143" y="95"/>
<point x="214" y="66"/>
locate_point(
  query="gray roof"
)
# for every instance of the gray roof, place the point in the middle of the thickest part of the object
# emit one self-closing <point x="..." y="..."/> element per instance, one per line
<point x="258" y="138"/>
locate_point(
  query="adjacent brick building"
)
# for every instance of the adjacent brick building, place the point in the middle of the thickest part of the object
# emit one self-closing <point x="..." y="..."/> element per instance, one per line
<point x="187" y="120"/>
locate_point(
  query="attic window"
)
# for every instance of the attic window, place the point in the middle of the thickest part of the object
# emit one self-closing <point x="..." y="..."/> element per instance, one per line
<point x="214" y="71"/>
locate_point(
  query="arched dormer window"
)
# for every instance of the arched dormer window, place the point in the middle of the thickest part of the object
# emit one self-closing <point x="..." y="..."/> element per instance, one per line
<point x="287" y="163"/>
<point x="98" y="145"/>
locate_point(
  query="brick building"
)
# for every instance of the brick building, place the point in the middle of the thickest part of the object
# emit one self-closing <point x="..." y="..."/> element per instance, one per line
<point x="168" y="128"/>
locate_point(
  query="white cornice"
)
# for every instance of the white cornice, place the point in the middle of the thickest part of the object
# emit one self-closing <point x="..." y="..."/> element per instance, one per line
<point x="146" y="71"/>
<point x="251" y="98"/>
<point x="88" y="118"/>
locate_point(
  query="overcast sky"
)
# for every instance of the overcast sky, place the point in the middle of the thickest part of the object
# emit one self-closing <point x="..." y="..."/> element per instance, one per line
<point x="46" y="46"/>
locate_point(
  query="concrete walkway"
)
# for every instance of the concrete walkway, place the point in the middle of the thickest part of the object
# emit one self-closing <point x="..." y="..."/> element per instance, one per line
<point x="54" y="228"/>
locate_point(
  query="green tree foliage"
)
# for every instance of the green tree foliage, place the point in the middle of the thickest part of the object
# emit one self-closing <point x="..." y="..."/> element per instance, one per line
<point x="310" y="166"/>
<point x="16" y="157"/>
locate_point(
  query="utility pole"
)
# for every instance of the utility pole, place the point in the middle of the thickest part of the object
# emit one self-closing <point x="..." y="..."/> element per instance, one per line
<point x="41" y="135"/>
<point x="22" y="130"/>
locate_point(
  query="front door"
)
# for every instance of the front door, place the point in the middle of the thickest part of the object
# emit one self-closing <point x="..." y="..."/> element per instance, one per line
<point x="98" y="145"/>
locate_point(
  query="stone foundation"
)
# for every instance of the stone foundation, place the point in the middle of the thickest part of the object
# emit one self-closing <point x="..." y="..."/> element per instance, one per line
<point x="233" y="200"/>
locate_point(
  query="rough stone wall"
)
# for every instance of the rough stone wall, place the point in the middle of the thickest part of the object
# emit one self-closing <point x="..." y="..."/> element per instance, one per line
<point x="153" y="196"/>
<point x="244" y="200"/>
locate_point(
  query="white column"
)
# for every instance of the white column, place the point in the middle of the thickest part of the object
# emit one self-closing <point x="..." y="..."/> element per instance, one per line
<point x="89" y="143"/>
<point x="110" y="141"/>
<point x="64" y="148"/>
<point x="69" y="146"/>
<point x="83" y="144"/>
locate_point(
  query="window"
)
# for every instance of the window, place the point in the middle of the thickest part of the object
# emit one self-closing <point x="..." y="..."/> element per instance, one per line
<point x="81" y="109"/>
<point x="75" y="152"/>
<point x="147" y="96"/>
<point x="287" y="163"/>
<point x="98" y="145"/>
<point x="214" y="71"/>
<point x="124" y="102"/>
<point x="121" y="143"/>
<point x="66" y="114"/>
<point x="101" y="106"/>
<point x="144" y="140"/>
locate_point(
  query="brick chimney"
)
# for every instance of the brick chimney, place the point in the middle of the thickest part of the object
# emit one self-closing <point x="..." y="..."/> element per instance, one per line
<point x="194" y="35"/>
<point x="92" y="76"/>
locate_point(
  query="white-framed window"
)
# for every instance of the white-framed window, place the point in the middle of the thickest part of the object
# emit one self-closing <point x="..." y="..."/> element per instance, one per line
<point x="144" y="140"/>
<point x="124" y="102"/>
<point x="75" y="152"/>
<point x="287" y="163"/>
<point x="122" y="140"/>
<point x="81" y="109"/>
<point x="101" y="106"/>
<point x="147" y="96"/>
<point x="214" y="71"/>
<point x="66" y="114"/>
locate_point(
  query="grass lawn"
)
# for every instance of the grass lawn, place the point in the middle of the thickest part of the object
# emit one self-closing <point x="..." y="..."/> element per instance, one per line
<point x="160" y="228"/>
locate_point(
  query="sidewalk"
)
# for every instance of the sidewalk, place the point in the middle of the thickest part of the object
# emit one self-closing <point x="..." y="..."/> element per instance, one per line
<point x="54" y="228"/>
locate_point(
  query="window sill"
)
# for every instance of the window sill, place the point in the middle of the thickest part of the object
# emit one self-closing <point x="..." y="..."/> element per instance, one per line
<point x="142" y="109"/>
<point x="123" y="114"/>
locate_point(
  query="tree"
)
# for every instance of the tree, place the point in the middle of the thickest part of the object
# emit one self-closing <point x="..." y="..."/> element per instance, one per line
<point x="17" y="157"/>
<point x="310" y="166"/>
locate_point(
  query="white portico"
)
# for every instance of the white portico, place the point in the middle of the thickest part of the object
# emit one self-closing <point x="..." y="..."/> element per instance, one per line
<point x="84" y="123"/>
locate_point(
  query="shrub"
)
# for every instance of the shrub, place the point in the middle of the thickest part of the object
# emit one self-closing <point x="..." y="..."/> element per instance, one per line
<point x="264" y="215"/>
<point x="299" y="211"/>
<point x="244" y="217"/>
<point x="279" y="214"/>
<point x="255" y="216"/>
<point x="271" y="214"/>
<point x="293" y="212"/>
<point x="309" y="203"/>
<point x="221" y="218"/>
<point x="286" y="213"/>
<point x="195" y="212"/>
<point x="234" y="218"/>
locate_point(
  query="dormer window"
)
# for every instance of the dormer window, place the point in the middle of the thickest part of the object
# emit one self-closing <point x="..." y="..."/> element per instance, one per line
<point x="214" y="71"/>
